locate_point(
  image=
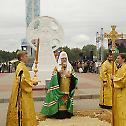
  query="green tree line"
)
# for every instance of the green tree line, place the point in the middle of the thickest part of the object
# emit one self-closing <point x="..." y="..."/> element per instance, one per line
<point x="75" y="54"/>
<point x="6" y="56"/>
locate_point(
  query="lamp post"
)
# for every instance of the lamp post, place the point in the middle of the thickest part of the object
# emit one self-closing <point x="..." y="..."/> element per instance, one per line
<point x="97" y="44"/>
<point x="102" y="44"/>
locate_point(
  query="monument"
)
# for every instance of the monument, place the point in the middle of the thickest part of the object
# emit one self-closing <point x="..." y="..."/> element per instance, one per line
<point x="50" y="34"/>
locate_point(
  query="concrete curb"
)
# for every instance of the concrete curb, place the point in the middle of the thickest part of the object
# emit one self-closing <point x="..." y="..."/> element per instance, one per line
<point x="41" y="98"/>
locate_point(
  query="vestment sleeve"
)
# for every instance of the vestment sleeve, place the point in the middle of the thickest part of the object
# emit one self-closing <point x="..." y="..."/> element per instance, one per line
<point x="120" y="82"/>
<point x="26" y="81"/>
<point x="103" y="72"/>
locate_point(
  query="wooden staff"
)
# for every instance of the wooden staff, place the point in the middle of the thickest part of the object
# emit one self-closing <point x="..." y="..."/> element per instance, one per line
<point x="113" y="35"/>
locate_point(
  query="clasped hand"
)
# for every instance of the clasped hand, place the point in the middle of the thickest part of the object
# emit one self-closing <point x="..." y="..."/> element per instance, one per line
<point x="66" y="74"/>
<point x="35" y="82"/>
<point x="64" y="97"/>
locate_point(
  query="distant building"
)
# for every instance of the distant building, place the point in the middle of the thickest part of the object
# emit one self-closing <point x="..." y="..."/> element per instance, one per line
<point x="25" y="46"/>
<point x="32" y="10"/>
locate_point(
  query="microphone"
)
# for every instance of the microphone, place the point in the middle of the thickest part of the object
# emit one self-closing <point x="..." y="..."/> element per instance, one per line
<point x="20" y="73"/>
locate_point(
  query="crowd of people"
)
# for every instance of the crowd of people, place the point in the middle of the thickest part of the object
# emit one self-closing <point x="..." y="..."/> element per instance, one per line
<point x="85" y="66"/>
<point x="7" y="67"/>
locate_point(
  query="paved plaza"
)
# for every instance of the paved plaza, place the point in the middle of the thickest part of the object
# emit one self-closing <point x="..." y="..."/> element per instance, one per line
<point x="86" y="96"/>
<point x="88" y="87"/>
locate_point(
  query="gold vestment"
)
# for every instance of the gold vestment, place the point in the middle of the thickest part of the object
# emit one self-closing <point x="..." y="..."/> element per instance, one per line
<point x="120" y="97"/>
<point x="64" y="87"/>
<point x="28" y="111"/>
<point x="106" y="90"/>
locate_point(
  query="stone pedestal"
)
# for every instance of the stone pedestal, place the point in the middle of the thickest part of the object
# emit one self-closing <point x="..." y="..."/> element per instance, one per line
<point x="46" y="63"/>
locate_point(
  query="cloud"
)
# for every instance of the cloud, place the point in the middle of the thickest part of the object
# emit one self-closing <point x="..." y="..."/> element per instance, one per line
<point x="11" y="44"/>
<point x="79" y="41"/>
<point x="81" y="19"/>
<point x="80" y="38"/>
<point x="10" y="38"/>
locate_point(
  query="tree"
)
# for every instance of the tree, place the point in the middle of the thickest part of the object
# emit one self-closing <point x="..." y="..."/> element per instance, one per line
<point x="7" y="56"/>
<point x="87" y="50"/>
<point x="73" y="53"/>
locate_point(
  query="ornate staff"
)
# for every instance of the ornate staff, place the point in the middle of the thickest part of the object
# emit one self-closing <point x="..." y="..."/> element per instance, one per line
<point x="113" y="35"/>
<point x="35" y="78"/>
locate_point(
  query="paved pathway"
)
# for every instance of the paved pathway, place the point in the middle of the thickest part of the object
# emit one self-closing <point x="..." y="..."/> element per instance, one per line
<point x="86" y="94"/>
<point x="79" y="105"/>
<point x="88" y="87"/>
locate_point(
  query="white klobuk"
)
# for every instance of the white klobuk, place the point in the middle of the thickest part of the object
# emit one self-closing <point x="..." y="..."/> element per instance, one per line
<point x="50" y="35"/>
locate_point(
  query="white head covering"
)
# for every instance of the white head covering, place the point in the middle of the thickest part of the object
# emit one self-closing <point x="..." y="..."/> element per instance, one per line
<point x="64" y="55"/>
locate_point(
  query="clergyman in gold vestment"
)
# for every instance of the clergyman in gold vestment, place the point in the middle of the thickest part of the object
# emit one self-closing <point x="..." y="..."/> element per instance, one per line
<point x="28" y="111"/>
<point x="120" y="92"/>
<point x="106" y="88"/>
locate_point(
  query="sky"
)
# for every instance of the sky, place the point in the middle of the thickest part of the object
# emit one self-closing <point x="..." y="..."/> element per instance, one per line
<point x="80" y="19"/>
